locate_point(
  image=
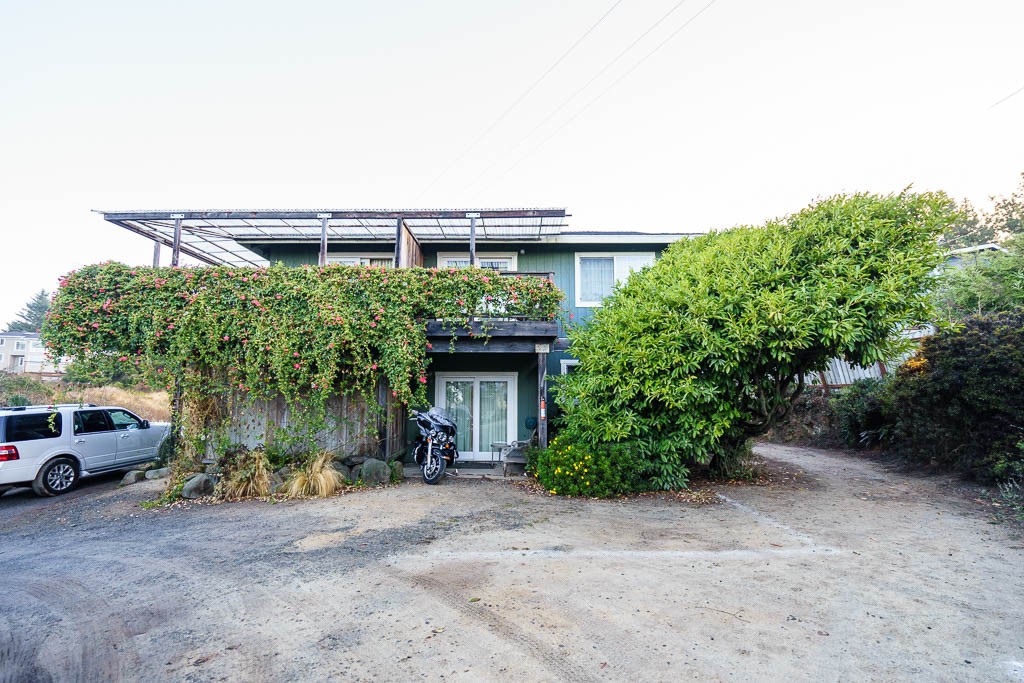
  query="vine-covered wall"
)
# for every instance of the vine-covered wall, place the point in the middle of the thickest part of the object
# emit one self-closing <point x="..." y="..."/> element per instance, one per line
<point x="304" y="334"/>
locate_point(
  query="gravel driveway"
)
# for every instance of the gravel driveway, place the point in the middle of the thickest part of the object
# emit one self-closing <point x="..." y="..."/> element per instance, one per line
<point x="841" y="571"/>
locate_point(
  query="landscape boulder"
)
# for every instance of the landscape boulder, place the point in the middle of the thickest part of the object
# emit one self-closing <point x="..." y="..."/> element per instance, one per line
<point x="397" y="470"/>
<point x="198" y="486"/>
<point x="161" y="473"/>
<point x="343" y="469"/>
<point x="374" y="471"/>
<point x="132" y="477"/>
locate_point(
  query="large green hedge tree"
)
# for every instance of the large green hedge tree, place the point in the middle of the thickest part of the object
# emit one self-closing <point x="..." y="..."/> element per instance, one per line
<point x="708" y="347"/>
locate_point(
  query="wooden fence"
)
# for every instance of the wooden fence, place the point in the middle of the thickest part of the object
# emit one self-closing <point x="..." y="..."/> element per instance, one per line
<point x="841" y="374"/>
<point x="353" y="429"/>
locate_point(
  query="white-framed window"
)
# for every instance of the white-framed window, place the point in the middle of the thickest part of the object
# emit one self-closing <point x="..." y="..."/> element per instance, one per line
<point x="568" y="365"/>
<point x="2" y="341"/>
<point x="504" y="261"/>
<point x="37" y="344"/>
<point x="379" y="259"/>
<point x="597" y="273"/>
<point x="21" y="361"/>
<point x="1" y="358"/>
<point x="19" y="346"/>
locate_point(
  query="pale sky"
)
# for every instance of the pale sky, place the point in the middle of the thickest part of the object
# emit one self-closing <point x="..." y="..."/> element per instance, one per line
<point x="750" y="112"/>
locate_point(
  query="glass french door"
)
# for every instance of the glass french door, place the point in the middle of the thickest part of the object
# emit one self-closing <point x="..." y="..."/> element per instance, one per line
<point x="484" y="409"/>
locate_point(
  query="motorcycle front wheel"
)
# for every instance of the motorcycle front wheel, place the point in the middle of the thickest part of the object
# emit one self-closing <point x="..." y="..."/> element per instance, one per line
<point x="433" y="469"/>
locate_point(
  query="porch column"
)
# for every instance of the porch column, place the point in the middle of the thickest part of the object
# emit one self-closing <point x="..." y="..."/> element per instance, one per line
<point x="542" y="394"/>
<point x="472" y="237"/>
<point x="398" y="242"/>
<point x="176" y="248"/>
<point x="156" y="254"/>
<point x="324" y="217"/>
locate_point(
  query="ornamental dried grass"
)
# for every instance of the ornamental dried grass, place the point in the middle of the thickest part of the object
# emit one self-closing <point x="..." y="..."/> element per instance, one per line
<point x="317" y="478"/>
<point x="250" y="477"/>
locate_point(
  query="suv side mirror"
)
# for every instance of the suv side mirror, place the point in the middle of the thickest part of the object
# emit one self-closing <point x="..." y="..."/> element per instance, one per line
<point x="145" y="424"/>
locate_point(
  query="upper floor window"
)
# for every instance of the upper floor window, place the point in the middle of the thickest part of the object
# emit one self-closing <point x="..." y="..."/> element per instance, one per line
<point x="37" y="344"/>
<point x="381" y="260"/>
<point x="505" y="262"/>
<point x="598" y="273"/>
<point x="19" y="346"/>
<point x="2" y="341"/>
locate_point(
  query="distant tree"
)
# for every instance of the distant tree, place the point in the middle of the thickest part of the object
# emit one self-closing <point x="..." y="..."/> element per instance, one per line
<point x="30" y="318"/>
<point x="995" y="284"/>
<point x="1008" y="213"/>
<point x="1004" y="221"/>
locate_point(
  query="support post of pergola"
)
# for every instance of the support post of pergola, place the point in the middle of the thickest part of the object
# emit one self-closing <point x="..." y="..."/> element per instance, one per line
<point x="324" y="218"/>
<point x="156" y="254"/>
<point x="542" y="394"/>
<point x="176" y="245"/>
<point x="472" y="237"/>
<point x="398" y="242"/>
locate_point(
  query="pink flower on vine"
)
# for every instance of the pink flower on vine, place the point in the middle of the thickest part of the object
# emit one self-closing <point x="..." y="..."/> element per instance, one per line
<point x="373" y="367"/>
<point x="298" y="365"/>
<point x="423" y="380"/>
<point x="227" y="338"/>
<point x="295" y="353"/>
<point x="373" y="324"/>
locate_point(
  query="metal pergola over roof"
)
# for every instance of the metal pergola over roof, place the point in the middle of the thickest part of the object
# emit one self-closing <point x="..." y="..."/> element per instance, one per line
<point x="220" y="237"/>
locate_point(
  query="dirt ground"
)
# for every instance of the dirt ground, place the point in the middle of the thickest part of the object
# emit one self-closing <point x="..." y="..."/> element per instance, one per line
<point x="839" y="571"/>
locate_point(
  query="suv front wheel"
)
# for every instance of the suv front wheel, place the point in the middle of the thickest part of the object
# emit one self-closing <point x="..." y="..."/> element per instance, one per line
<point x="56" y="477"/>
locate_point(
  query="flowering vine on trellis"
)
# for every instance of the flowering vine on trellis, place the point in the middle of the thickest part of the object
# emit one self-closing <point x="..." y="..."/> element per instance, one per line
<point x="305" y="333"/>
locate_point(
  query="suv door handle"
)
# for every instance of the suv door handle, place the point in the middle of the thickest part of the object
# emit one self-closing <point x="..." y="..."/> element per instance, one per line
<point x="79" y="440"/>
<point x="125" y="436"/>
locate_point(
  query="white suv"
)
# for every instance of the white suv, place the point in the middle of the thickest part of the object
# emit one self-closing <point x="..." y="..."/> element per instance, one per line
<point x="52" y="447"/>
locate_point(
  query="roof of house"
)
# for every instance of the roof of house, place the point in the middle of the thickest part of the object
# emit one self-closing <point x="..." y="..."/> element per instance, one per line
<point x="26" y="335"/>
<point x="224" y="237"/>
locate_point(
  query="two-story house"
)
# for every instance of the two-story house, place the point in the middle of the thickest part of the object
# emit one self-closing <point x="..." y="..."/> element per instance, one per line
<point x="25" y="352"/>
<point x="495" y="385"/>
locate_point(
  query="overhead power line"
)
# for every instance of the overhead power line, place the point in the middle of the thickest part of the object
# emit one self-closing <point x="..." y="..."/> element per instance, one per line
<point x="604" y="92"/>
<point x="554" y="112"/>
<point x="1015" y="92"/>
<point x="522" y="96"/>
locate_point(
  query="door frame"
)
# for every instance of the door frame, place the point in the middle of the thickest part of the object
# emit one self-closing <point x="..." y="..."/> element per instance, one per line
<point x="512" y="430"/>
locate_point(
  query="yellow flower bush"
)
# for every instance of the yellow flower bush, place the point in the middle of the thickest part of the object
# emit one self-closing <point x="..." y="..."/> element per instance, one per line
<point x="570" y="469"/>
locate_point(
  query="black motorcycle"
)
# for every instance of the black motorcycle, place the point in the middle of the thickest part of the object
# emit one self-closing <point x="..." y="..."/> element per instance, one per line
<point x="434" y="449"/>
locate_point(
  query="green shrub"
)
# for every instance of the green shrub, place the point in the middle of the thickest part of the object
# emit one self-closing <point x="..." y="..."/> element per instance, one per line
<point x="858" y="413"/>
<point x="570" y="468"/>
<point x="708" y="347"/>
<point x="22" y="390"/>
<point x="1011" y="495"/>
<point x="959" y="403"/>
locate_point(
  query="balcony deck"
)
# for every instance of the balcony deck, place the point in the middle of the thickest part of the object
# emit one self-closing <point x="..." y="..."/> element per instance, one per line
<point x="493" y="336"/>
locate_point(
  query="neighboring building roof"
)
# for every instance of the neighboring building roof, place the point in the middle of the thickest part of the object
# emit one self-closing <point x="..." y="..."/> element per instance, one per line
<point x="25" y="335"/>
<point x="223" y="237"/>
<point x="958" y="258"/>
